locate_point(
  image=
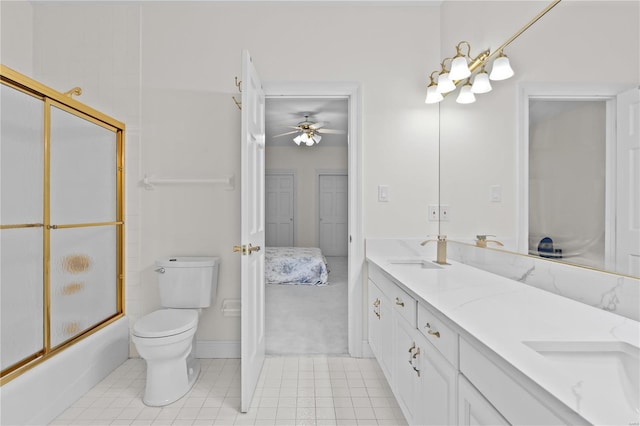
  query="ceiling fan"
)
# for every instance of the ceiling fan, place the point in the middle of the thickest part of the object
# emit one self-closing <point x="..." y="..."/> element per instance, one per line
<point x="309" y="131"/>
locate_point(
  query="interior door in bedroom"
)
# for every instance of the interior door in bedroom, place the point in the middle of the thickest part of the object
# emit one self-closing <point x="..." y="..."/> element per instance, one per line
<point x="279" y="209"/>
<point x="333" y="214"/>
<point x="252" y="286"/>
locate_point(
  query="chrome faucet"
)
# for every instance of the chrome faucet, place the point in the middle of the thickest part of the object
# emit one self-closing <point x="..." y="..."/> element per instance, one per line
<point x="441" y="256"/>
<point x="481" y="241"/>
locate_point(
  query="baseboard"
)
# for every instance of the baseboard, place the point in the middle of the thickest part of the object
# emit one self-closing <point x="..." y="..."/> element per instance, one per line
<point x="217" y="349"/>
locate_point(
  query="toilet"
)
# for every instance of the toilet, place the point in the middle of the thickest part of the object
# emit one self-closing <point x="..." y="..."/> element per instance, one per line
<point x="166" y="338"/>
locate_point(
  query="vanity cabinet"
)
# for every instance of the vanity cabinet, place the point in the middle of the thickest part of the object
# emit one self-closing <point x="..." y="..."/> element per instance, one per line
<point x="422" y="379"/>
<point x="439" y="375"/>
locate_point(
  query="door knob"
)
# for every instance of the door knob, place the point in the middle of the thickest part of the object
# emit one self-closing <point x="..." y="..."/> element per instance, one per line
<point x="242" y="249"/>
<point x="251" y="248"/>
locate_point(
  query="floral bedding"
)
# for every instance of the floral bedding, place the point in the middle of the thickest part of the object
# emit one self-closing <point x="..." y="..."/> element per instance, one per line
<point x="295" y="265"/>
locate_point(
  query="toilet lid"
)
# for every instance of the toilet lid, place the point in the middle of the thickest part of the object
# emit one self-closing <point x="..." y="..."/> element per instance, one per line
<point x="166" y="322"/>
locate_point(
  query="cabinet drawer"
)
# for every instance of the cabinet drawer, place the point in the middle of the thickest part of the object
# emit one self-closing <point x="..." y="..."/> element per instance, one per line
<point x="438" y="334"/>
<point x="404" y="304"/>
<point x="401" y="301"/>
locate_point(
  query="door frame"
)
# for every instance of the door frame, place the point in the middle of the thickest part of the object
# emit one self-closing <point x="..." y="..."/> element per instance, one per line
<point x="352" y="91"/>
<point x="289" y="172"/>
<point x="564" y="91"/>
<point x="326" y="172"/>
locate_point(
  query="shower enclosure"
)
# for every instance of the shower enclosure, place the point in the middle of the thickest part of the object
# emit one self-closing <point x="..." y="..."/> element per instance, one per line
<point x="61" y="222"/>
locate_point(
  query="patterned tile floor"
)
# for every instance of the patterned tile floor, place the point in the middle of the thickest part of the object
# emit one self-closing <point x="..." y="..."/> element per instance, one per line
<point x="322" y="390"/>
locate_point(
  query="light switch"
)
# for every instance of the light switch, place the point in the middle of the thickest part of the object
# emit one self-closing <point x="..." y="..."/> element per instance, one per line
<point x="383" y="193"/>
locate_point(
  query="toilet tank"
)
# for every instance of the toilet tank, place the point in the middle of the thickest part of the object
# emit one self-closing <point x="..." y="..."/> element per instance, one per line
<point x="188" y="282"/>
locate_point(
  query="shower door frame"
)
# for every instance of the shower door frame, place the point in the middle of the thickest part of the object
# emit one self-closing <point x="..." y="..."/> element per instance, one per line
<point x="52" y="98"/>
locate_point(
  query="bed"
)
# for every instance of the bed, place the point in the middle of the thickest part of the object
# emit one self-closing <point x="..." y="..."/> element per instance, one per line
<point x="296" y="265"/>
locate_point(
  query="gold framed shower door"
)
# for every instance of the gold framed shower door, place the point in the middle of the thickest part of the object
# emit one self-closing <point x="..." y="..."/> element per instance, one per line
<point x="109" y="225"/>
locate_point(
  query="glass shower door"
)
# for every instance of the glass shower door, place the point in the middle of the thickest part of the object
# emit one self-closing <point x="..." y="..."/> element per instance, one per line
<point x="83" y="222"/>
<point x="21" y="231"/>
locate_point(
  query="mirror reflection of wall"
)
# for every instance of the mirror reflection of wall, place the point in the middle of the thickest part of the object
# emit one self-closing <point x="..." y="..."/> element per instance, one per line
<point x="567" y="180"/>
<point x="484" y="177"/>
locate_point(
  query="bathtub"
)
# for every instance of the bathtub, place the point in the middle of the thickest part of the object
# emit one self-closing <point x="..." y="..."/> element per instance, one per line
<point x="42" y="393"/>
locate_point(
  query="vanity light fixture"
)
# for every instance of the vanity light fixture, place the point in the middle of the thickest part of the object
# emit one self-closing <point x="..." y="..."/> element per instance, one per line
<point x="463" y="66"/>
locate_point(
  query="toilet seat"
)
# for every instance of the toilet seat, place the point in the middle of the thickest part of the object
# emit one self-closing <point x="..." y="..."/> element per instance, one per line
<point x="166" y="322"/>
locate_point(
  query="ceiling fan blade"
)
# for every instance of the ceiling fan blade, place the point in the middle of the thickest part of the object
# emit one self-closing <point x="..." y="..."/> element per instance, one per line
<point x="287" y="133"/>
<point x="316" y="126"/>
<point x="332" y="131"/>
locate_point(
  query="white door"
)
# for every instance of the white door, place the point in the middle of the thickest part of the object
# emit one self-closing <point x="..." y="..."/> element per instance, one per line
<point x="252" y="286"/>
<point x="279" y="204"/>
<point x="333" y="207"/>
<point x="628" y="196"/>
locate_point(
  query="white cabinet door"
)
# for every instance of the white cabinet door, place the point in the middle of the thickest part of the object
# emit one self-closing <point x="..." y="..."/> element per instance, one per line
<point x="437" y="402"/>
<point x="406" y="369"/>
<point x="473" y="408"/>
<point x="380" y="328"/>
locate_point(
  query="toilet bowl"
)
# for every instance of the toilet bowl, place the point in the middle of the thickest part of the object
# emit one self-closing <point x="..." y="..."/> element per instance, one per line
<point x="165" y="339"/>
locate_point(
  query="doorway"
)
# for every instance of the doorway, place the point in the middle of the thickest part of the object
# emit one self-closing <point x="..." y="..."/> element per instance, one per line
<point x="312" y="162"/>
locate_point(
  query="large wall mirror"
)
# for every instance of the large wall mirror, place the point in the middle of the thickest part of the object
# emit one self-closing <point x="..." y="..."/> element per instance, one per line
<point x="541" y="161"/>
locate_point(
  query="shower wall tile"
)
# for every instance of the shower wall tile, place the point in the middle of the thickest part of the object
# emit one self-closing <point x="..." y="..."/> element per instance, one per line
<point x="611" y="292"/>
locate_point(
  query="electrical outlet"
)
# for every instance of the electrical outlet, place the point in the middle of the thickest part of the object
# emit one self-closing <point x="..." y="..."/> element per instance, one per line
<point x="441" y="213"/>
<point x="444" y="213"/>
<point x="433" y="213"/>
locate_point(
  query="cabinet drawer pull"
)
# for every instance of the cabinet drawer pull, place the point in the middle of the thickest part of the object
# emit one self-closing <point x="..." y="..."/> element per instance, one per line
<point x="399" y="302"/>
<point x="431" y="332"/>
<point x="376" y="302"/>
<point x="415" y="355"/>
<point x="413" y="346"/>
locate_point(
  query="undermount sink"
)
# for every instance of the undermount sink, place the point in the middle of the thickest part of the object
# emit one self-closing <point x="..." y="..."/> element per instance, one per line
<point x="614" y="366"/>
<point x="424" y="264"/>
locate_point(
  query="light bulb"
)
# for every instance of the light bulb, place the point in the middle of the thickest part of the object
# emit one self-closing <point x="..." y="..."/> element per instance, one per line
<point x="466" y="96"/>
<point x="459" y="68"/>
<point x="501" y="69"/>
<point x="481" y="83"/>
<point x="433" y="97"/>
<point x="445" y="85"/>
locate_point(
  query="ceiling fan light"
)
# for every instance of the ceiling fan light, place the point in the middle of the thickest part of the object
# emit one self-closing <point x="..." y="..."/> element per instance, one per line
<point x="316" y="138"/>
<point x="445" y="85"/>
<point x="297" y="140"/>
<point x="466" y="96"/>
<point x="459" y="68"/>
<point x="481" y="83"/>
<point x="501" y="69"/>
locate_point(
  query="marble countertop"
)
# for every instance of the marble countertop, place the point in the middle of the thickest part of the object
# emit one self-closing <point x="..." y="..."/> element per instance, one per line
<point x="503" y="314"/>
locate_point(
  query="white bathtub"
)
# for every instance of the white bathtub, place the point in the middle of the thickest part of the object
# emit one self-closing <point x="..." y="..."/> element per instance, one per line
<point x="42" y="393"/>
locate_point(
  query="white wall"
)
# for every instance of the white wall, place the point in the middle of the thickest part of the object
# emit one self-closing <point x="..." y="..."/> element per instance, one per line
<point x="16" y="35"/>
<point x="167" y="70"/>
<point x="306" y="162"/>
<point x="577" y="42"/>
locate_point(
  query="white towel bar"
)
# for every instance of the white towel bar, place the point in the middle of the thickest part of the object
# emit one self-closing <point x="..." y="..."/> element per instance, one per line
<point x="149" y="182"/>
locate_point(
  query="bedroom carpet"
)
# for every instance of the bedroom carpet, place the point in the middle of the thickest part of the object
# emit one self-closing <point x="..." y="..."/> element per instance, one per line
<point x="305" y="320"/>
